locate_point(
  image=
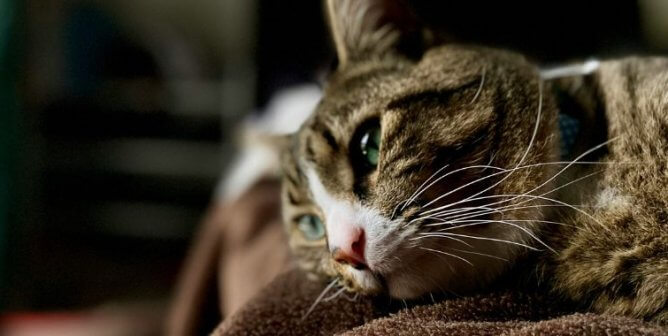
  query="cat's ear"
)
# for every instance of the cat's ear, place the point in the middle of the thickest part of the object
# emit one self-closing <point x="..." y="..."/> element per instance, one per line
<point x="363" y="29"/>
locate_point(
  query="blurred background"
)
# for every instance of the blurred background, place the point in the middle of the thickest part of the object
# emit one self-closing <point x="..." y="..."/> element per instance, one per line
<point x="118" y="118"/>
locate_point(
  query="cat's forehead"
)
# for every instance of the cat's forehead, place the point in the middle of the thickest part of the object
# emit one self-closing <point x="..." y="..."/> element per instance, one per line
<point x="377" y="81"/>
<point x="365" y="90"/>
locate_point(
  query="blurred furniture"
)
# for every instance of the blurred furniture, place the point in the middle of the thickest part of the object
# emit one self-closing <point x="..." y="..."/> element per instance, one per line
<point x="128" y="112"/>
<point x="8" y="124"/>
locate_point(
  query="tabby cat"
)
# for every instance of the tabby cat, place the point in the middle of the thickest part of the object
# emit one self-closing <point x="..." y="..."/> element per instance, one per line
<point x="440" y="168"/>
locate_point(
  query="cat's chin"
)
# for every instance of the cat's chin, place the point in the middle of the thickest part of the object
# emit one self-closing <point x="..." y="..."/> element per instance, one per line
<point x="407" y="286"/>
<point x="363" y="281"/>
<point x="403" y="287"/>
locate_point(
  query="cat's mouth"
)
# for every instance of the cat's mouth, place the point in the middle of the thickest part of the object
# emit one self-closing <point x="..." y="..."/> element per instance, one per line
<point x="363" y="281"/>
<point x="385" y="272"/>
<point x="395" y="283"/>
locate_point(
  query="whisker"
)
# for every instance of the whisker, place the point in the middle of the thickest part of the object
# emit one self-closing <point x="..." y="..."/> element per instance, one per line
<point x="511" y="208"/>
<point x="483" y="210"/>
<point x="352" y="299"/>
<point x="447" y="254"/>
<point x="514" y="169"/>
<point x="550" y="200"/>
<point x="319" y="298"/>
<point x="475" y="222"/>
<point x="516" y="220"/>
<point x="525" y="230"/>
<point x="450" y="173"/>
<point x="479" y="253"/>
<point x="451" y="238"/>
<point x="335" y="295"/>
<point x="472" y="197"/>
<point x="482" y="82"/>
<point x="526" y="153"/>
<point x="444" y="235"/>
<point x="463" y="211"/>
<point x="502" y="171"/>
<point x="591" y="150"/>
<point x="531" y="197"/>
<point x="406" y="201"/>
<point x="565" y="168"/>
<point x="542" y="197"/>
<point x="466" y="211"/>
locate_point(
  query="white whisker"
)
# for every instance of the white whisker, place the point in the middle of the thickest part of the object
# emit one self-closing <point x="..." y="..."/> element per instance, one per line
<point x="509" y="208"/>
<point x="451" y="238"/>
<point x="479" y="253"/>
<point x="473" y="197"/>
<point x="482" y="82"/>
<point x="352" y="299"/>
<point x="526" y="153"/>
<point x="508" y="220"/>
<point x="444" y="235"/>
<point x="411" y="198"/>
<point x="480" y="222"/>
<point x="334" y="296"/>
<point x="513" y="197"/>
<point x="450" y="173"/>
<point x="319" y="298"/>
<point x="447" y="254"/>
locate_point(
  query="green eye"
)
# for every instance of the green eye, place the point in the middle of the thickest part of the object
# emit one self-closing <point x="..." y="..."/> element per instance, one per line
<point x="311" y="227"/>
<point x="370" y="145"/>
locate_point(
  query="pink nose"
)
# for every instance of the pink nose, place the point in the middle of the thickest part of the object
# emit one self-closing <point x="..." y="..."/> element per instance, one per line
<point x="350" y="249"/>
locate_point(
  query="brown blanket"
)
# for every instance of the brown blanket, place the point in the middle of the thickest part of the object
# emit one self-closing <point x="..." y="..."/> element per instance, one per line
<point x="280" y="307"/>
<point x="241" y="247"/>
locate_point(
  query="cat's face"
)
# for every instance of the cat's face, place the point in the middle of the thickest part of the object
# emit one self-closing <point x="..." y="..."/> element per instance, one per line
<point x="397" y="183"/>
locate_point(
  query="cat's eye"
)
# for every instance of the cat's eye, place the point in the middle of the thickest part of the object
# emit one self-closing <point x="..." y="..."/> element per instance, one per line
<point x="370" y="145"/>
<point x="311" y="227"/>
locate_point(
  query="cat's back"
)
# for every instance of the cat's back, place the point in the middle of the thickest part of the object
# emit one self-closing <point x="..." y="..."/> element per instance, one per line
<point x="634" y="95"/>
<point x="617" y="256"/>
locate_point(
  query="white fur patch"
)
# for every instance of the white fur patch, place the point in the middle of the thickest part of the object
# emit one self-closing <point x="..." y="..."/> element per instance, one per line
<point x="254" y="162"/>
<point x="285" y="113"/>
<point x="364" y="279"/>
<point x="338" y="211"/>
<point x="288" y="109"/>
<point x="612" y="198"/>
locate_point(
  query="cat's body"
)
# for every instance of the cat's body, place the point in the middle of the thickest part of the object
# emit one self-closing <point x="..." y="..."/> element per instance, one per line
<point x="439" y="174"/>
<point x="619" y="263"/>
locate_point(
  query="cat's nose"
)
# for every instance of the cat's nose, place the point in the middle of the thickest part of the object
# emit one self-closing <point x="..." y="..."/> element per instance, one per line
<point x="350" y="249"/>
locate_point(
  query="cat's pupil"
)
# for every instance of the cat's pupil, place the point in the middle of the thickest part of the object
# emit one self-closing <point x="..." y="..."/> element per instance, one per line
<point x="370" y="146"/>
<point x="311" y="227"/>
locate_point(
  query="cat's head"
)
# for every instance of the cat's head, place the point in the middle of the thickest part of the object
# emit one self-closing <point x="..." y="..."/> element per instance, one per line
<point x="408" y="176"/>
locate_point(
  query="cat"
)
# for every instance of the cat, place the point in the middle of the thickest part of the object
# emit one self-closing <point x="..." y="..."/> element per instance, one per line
<point x="430" y="167"/>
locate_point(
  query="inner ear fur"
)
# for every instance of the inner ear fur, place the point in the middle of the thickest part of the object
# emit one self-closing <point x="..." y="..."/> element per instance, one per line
<point x="370" y="29"/>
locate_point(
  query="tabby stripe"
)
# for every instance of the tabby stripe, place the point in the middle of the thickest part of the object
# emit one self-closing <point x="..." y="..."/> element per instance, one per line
<point x="402" y="152"/>
<point x="428" y="97"/>
<point x="327" y="134"/>
<point x="310" y="152"/>
<point x="292" y="198"/>
<point x="409" y="169"/>
<point x="291" y="173"/>
<point x="390" y="135"/>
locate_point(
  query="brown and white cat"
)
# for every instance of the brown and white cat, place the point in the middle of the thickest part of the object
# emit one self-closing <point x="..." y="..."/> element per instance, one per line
<point x="440" y="170"/>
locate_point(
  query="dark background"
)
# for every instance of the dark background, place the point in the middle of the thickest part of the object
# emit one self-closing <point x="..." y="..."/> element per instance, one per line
<point x="118" y="118"/>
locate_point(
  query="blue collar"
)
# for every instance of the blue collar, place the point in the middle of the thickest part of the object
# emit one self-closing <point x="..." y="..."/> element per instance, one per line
<point x="569" y="128"/>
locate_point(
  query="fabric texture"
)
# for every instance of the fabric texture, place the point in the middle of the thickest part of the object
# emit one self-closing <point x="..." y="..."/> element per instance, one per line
<point x="239" y="248"/>
<point x="279" y="309"/>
